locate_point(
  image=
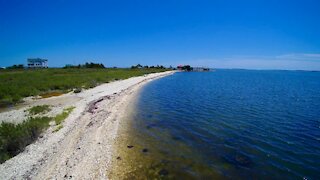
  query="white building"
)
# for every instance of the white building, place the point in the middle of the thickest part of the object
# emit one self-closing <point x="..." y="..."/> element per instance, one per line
<point x="37" y="63"/>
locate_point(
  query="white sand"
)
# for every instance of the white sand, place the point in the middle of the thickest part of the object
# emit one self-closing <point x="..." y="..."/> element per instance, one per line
<point x="82" y="149"/>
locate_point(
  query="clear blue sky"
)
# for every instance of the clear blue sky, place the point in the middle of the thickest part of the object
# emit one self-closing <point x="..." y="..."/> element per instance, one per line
<point x="224" y="34"/>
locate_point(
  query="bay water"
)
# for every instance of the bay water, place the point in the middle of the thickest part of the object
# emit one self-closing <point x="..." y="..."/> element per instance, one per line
<point x="226" y="124"/>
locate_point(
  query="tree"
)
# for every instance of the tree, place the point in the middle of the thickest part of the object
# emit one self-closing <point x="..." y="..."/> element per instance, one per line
<point x="19" y="66"/>
<point x="137" y="66"/>
<point x="86" y="65"/>
<point x="185" y="68"/>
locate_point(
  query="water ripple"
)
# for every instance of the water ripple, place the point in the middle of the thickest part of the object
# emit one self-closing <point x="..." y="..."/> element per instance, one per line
<point x="243" y="124"/>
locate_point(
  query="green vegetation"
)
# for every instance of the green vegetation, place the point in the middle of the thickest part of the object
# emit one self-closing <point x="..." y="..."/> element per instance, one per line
<point x="60" y="126"/>
<point x="14" y="138"/>
<point x="86" y="65"/>
<point x="60" y="117"/>
<point x="16" y="66"/>
<point x="39" y="109"/>
<point x="16" y="84"/>
<point x="185" y="68"/>
<point x="139" y="66"/>
<point x="77" y="90"/>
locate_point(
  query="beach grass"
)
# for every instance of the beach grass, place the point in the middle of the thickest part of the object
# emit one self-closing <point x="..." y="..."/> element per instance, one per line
<point x="41" y="109"/>
<point x="17" y="84"/>
<point x="15" y="137"/>
<point x="61" y="117"/>
<point x="60" y="126"/>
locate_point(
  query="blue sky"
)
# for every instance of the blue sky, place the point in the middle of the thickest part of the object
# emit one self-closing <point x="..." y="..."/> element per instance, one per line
<point x="253" y="34"/>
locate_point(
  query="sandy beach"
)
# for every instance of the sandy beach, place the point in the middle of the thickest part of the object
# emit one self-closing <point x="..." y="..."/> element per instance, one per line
<point x="83" y="148"/>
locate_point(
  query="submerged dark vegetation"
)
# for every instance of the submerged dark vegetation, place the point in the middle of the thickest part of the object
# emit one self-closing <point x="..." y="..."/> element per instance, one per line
<point x="15" y="137"/>
<point x="18" y="83"/>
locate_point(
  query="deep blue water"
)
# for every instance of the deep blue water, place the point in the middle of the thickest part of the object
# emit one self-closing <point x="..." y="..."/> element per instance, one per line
<point x="239" y="124"/>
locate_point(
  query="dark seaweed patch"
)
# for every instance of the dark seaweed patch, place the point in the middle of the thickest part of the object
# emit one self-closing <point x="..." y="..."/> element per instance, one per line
<point x="163" y="172"/>
<point x="145" y="150"/>
<point x="153" y="125"/>
<point x="239" y="159"/>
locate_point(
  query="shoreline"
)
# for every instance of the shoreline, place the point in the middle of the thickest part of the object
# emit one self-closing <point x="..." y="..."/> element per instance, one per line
<point x="83" y="147"/>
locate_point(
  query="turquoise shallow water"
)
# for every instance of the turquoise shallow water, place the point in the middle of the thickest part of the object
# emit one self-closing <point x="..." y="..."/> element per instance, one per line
<point x="239" y="124"/>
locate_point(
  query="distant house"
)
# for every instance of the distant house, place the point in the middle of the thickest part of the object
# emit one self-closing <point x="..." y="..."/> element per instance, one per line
<point x="37" y="63"/>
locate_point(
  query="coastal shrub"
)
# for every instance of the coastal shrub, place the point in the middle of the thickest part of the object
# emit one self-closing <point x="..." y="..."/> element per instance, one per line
<point x="41" y="109"/>
<point x="61" y="117"/>
<point x="15" y="137"/>
<point x="91" y="84"/>
<point x="77" y="90"/>
<point x="16" y="66"/>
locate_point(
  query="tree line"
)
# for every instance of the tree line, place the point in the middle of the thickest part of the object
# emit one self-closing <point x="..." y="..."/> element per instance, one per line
<point x="86" y="65"/>
<point x="16" y="66"/>
<point x="139" y="66"/>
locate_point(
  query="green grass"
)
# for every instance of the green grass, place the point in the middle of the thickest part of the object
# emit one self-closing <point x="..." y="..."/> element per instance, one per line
<point x="16" y="84"/>
<point x="61" y="117"/>
<point x="60" y="126"/>
<point x="14" y="138"/>
<point x="39" y="109"/>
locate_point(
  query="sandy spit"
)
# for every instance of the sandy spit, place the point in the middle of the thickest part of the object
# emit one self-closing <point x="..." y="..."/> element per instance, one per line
<point x="82" y="149"/>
